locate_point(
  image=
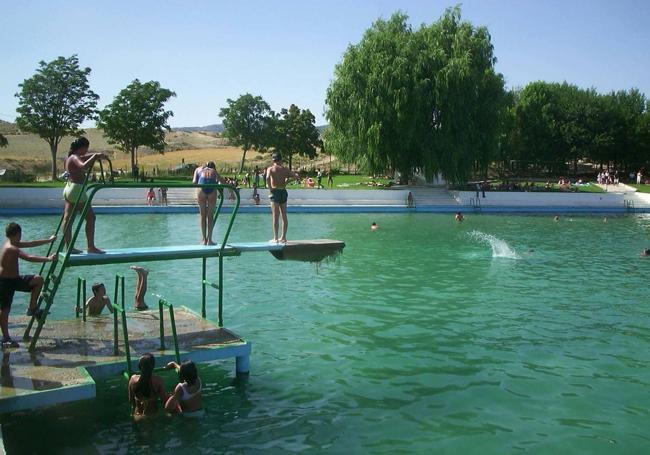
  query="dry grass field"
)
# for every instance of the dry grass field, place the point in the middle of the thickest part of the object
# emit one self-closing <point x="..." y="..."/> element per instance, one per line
<point x="31" y="154"/>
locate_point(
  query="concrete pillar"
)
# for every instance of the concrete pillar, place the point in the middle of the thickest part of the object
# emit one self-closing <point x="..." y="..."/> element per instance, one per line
<point x="242" y="365"/>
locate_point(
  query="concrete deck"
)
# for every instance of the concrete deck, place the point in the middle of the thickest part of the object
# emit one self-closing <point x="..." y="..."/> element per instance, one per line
<point x="72" y="354"/>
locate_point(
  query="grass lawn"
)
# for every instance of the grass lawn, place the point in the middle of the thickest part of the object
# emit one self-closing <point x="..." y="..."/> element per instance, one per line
<point x="640" y="188"/>
<point x="341" y="182"/>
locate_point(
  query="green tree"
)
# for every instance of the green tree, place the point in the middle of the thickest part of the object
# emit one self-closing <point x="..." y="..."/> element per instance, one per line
<point x="295" y="133"/>
<point x="427" y="100"/>
<point x="55" y="101"/>
<point x="246" y="123"/>
<point x="3" y="141"/>
<point x="137" y="118"/>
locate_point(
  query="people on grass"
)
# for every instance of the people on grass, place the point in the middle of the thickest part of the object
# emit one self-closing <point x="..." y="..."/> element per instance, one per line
<point x="76" y="165"/>
<point x="276" y="178"/>
<point x="206" y="198"/>
<point x="11" y="280"/>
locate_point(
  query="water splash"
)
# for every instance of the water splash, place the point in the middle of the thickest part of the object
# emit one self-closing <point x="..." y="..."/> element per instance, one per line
<point x="500" y="248"/>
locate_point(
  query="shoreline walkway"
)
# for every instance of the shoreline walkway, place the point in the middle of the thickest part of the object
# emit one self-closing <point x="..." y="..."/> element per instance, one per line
<point x="620" y="199"/>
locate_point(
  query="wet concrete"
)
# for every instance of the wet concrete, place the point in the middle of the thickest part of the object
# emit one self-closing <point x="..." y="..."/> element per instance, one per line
<point x="71" y="352"/>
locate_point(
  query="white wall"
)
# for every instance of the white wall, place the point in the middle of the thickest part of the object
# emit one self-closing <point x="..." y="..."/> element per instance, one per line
<point x="52" y="197"/>
<point x="520" y="198"/>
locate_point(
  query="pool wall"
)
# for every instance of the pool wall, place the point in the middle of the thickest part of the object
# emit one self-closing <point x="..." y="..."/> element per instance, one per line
<point x="48" y="201"/>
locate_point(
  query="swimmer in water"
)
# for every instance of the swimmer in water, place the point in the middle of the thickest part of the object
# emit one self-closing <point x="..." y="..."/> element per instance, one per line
<point x="373" y="226"/>
<point x="645" y="252"/>
<point x="605" y="220"/>
<point x="459" y="217"/>
<point x="556" y="219"/>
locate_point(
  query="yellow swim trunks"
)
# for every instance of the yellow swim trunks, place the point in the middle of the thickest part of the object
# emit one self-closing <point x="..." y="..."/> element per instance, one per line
<point x="72" y="191"/>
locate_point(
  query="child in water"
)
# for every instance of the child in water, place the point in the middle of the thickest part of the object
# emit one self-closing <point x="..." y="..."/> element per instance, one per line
<point x="98" y="301"/>
<point x="373" y="226"/>
<point x="146" y="388"/>
<point x="187" y="398"/>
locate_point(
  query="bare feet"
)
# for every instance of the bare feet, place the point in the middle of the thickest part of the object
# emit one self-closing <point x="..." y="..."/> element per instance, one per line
<point x="211" y="243"/>
<point x="141" y="307"/>
<point x="273" y="241"/>
<point x="75" y="251"/>
<point x="95" y="250"/>
<point x="139" y="269"/>
<point x="283" y="240"/>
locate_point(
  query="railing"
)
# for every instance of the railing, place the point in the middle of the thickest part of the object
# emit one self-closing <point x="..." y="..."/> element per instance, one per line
<point x="81" y="298"/>
<point x="89" y="190"/>
<point x="475" y="203"/>
<point x="629" y="205"/>
<point x="119" y="286"/>
<point x="162" y="302"/>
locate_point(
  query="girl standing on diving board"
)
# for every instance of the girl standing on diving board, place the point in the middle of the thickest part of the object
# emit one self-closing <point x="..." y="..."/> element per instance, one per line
<point x="76" y="165"/>
<point x="206" y="198"/>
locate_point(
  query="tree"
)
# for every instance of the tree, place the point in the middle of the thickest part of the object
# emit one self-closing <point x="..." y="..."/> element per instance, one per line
<point x="295" y="133"/>
<point x="246" y="123"/>
<point x="55" y="101"/>
<point x="3" y="141"/>
<point x="137" y="118"/>
<point x="427" y="100"/>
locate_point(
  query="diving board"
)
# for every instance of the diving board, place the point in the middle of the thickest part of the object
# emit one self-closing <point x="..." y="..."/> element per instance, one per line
<point x="302" y="250"/>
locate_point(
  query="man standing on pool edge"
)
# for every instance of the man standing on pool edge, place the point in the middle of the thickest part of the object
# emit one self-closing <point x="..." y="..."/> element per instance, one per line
<point x="276" y="180"/>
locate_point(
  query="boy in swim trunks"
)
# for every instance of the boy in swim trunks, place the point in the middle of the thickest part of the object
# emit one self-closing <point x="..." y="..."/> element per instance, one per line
<point x="276" y="180"/>
<point x="98" y="301"/>
<point x="11" y="280"/>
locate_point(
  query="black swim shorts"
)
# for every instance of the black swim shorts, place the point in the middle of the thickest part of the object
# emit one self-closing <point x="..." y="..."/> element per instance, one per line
<point x="8" y="286"/>
<point x="279" y="196"/>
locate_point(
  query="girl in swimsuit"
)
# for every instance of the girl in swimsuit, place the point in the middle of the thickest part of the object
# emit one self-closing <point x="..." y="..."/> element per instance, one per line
<point x="207" y="199"/>
<point x="145" y="389"/>
<point x="76" y="165"/>
<point x="187" y="398"/>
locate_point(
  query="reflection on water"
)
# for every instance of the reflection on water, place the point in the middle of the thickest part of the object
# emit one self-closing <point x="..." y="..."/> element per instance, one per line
<point x="416" y="338"/>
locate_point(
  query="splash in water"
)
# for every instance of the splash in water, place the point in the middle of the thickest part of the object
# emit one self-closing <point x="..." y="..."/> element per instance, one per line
<point x="500" y="248"/>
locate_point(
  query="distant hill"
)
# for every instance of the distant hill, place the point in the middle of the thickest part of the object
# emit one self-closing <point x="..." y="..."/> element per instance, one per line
<point x="216" y="128"/>
<point x="8" y="128"/>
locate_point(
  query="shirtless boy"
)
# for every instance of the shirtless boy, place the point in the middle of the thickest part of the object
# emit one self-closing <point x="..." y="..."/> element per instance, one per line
<point x="11" y="280"/>
<point x="276" y="180"/>
<point x="98" y="301"/>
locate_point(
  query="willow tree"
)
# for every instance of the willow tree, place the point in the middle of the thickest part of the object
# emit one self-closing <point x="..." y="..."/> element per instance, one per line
<point x="425" y="100"/>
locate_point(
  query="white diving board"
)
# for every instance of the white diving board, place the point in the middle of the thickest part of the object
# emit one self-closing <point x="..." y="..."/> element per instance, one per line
<point x="166" y="253"/>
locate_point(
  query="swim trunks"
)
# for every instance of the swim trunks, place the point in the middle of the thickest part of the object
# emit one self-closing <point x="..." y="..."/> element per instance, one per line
<point x="72" y="191"/>
<point x="8" y="286"/>
<point x="279" y="196"/>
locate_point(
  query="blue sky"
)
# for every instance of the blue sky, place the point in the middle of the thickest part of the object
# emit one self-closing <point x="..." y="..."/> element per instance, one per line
<point x="207" y="51"/>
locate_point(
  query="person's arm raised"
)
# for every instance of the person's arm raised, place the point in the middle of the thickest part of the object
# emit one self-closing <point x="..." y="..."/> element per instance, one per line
<point x="32" y="258"/>
<point x="34" y="243"/>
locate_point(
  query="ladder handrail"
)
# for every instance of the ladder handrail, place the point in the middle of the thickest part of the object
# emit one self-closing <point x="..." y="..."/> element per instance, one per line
<point x="89" y="190"/>
<point x="119" y="279"/>
<point x="162" y="302"/>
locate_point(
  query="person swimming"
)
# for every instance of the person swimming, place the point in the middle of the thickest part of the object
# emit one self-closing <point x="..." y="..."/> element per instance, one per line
<point x="373" y="226"/>
<point x="145" y="388"/>
<point x="459" y="217"/>
<point x="187" y="398"/>
<point x="556" y="219"/>
<point x="645" y="252"/>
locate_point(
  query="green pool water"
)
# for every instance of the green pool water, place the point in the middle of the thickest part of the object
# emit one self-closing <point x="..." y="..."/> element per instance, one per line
<point x="500" y="335"/>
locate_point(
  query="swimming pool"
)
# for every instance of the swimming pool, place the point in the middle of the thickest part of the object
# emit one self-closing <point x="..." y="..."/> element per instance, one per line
<point x="504" y="333"/>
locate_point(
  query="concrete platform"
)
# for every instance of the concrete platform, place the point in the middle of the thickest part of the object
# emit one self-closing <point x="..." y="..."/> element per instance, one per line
<point x="71" y="354"/>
